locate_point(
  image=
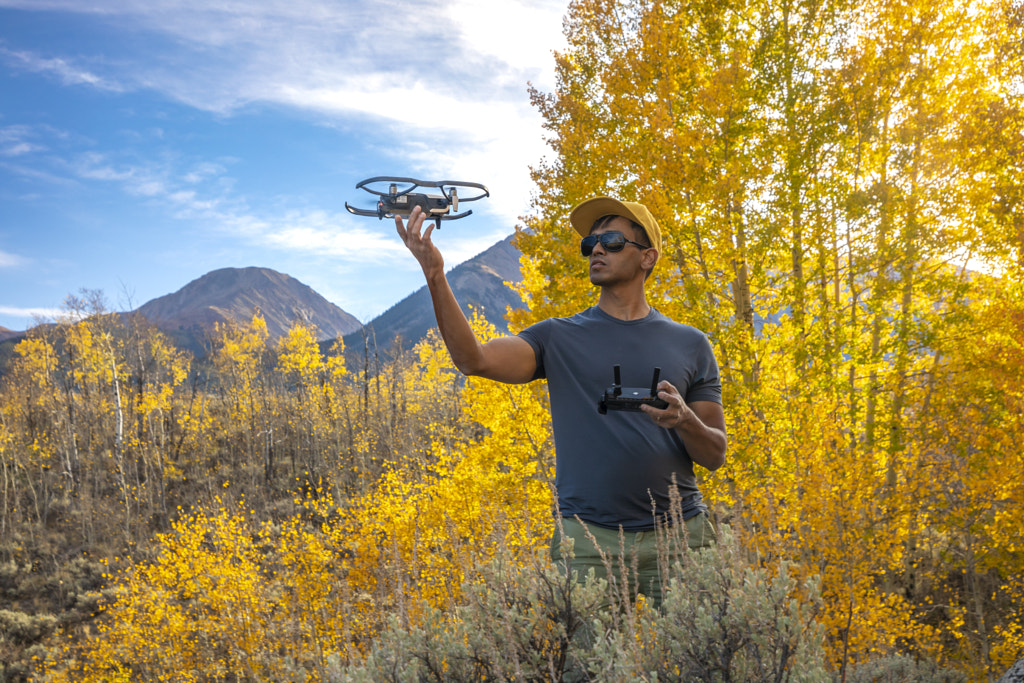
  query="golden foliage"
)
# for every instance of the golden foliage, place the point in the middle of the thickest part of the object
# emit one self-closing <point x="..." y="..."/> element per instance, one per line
<point x="826" y="176"/>
<point x="823" y="174"/>
<point x="227" y="593"/>
<point x="426" y="521"/>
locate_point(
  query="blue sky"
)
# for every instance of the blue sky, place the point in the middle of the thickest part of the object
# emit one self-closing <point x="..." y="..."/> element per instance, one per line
<point x="144" y="143"/>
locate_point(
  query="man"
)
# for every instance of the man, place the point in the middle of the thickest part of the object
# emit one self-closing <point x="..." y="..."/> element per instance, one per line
<point x="614" y="471"/>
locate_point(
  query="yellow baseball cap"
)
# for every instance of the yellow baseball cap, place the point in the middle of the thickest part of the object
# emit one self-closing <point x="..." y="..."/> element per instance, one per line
<point x="582" y="217"/>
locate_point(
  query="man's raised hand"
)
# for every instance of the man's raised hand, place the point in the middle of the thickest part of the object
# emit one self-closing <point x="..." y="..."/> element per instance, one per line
<point x="418" y="241"/>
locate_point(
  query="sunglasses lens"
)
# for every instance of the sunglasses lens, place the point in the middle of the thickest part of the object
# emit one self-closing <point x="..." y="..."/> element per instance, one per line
<point x="611" y="241"/>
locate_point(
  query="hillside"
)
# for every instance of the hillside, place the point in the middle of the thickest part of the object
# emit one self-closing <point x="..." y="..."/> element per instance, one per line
<point x="233" y="294"/>
<point x="8" y="340"/>
<point x="479" y="282"/>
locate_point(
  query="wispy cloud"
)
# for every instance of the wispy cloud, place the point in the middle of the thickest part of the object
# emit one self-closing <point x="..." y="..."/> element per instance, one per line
<point x="30" y="314"/>
<point x="67" y="72"/>
<point x="17" y="141"/>
<point x="320" y="234"/>
<point x="311" y="232"/>
<point x="239" y="52"/>
<point x="11" y="260"/>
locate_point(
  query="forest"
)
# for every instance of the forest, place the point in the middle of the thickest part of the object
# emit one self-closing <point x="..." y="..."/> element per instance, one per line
<point x="841" y="190"/>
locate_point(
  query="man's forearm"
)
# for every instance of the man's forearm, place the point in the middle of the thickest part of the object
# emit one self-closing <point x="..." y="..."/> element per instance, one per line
<point x="463" y="346"/>
<point x="705" y="445"/>
<point x="701" y="425"/>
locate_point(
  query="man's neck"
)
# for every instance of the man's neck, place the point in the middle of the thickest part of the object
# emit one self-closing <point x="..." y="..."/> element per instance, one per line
<point x="623" y="305"/>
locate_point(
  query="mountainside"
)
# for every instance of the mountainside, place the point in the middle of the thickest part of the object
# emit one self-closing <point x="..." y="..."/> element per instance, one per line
<point x="8" y="341"/>
<point x="478" y="282"/>
<point x="234" y="294"/>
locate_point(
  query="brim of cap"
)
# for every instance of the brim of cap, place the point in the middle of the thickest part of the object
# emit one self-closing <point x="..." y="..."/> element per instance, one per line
<point x="582" y="217"/>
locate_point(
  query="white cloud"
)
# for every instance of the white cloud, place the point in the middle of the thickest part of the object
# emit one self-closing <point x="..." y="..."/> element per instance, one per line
<point x="20" y="148"/>
<point x="30" y="313"/>
<point x="65" y="71"/>
<point x="32" y="173"/>
<point x="11" y="260"/>
<point x="304" y="234"/>
<point x="310" y="232"/>
<point x="513" y="32"/>
<point x="203" y="172"/>
<point x="15" y="141"/>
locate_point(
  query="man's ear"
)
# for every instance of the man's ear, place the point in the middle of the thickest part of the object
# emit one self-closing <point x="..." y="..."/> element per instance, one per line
<point x="648" y="258"/>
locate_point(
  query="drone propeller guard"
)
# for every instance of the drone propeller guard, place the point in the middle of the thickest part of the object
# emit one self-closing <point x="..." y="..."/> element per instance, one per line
<point x="400" y="198"/>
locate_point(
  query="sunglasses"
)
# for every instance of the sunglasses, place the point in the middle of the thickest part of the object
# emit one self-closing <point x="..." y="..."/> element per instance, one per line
<point x="611" y="241"/>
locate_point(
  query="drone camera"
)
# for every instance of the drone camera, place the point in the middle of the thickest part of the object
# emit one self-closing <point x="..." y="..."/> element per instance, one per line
<point x="617" y="397"/>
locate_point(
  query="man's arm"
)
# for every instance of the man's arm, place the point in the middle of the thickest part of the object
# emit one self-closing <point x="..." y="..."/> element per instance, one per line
<point x="701" y="425"/>
<point x="506" y="359"/>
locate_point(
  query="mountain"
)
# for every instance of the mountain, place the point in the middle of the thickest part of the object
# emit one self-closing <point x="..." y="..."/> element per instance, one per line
<point x="234" y="294"/>
<point x="189" y="315"/>
<point x="478" y="282"/>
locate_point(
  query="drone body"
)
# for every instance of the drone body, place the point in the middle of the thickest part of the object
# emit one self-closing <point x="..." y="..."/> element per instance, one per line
<point x="400" y="200"/>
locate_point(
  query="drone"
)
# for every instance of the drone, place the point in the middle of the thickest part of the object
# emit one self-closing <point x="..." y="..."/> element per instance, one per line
<point x="400" y="200"/>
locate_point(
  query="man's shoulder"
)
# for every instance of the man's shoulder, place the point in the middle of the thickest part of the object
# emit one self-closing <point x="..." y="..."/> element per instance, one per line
<point x="655" y="322"/>
<point x="579" y="318"/>
<point x="660" y="319"/>
<point x="555" y="326"/>
<point x="594" y="316"/>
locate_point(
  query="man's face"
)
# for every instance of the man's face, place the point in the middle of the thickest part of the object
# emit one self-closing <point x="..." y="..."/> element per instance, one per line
<point x="609" y="268"/>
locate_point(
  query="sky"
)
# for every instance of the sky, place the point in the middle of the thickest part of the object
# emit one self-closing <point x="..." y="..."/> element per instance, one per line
<point x="144" y="143"/>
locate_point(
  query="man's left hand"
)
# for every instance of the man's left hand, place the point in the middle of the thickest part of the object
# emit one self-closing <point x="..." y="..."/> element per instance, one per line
<point x="676" y="414"/>
<point x="700" y="425"/>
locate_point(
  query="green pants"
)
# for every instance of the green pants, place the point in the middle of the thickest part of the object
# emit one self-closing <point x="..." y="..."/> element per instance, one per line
<point x="641" y="549"/>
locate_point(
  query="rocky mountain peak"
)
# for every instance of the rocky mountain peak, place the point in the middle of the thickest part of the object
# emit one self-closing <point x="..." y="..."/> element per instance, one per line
<point x="234" y="295"/>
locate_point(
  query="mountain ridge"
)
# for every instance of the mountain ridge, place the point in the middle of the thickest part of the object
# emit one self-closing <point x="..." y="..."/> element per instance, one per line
<point x="190" y="314"/>
<point x="479" y="283"/>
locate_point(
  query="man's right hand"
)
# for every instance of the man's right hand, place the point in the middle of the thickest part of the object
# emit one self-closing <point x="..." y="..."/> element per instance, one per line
<point x="418" y="241"/>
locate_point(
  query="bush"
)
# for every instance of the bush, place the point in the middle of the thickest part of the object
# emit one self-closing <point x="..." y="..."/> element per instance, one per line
<point x="514" y="623"/>
<point x="902" y="669"/>
<point x="721" y="619"/>
<point x="25" y="629"/>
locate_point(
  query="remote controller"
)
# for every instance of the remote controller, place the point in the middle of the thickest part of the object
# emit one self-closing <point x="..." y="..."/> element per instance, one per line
<point x="617" y="397"/>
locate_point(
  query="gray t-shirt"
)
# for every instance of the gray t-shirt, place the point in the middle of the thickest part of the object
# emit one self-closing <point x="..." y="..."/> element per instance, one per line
<point x="616" y="469"/>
